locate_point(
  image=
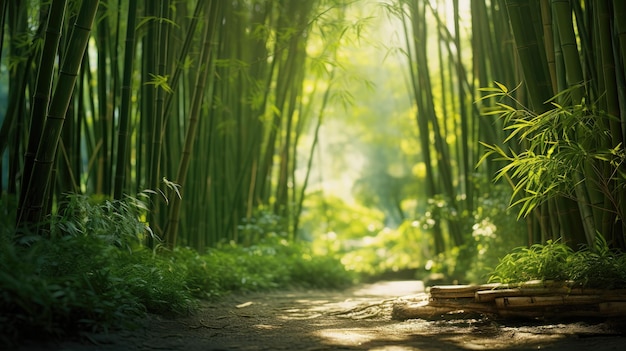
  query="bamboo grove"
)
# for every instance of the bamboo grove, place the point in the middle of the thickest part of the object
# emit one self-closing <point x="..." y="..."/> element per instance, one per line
<point x="201" y="106"/>
<point x="170" y="96"/>
<point x="559" y="137"/>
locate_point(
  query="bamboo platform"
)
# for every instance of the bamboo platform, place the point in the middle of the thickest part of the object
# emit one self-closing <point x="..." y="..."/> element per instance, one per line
<point x="535" y="299"/>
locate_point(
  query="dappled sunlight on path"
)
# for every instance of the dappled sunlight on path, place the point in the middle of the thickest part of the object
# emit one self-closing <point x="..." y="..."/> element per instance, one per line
<point x="391" y="288"/>
<point x="354" y="319"/>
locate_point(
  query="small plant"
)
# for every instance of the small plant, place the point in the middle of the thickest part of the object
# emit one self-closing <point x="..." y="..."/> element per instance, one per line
<point x="116" y="222"/>
<point x="542" y="262"/>
<point x="598" y="267"/>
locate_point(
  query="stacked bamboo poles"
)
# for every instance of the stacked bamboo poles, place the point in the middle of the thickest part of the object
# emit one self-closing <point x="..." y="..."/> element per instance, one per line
<point x="534" y="299"/>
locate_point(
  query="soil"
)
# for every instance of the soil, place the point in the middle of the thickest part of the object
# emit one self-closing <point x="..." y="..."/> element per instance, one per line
<point x="355" y="319"/>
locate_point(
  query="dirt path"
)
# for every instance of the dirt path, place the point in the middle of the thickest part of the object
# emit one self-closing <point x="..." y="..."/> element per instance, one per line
<point x="358" y="319"/>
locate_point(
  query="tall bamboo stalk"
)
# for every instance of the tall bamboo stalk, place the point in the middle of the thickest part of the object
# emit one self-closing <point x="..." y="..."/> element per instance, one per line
<point x="204" y="72"/>
<point x="531" y="53"/>
<point x="124" y="115"/>
<point x="143" y="146"/>
<point x="105" y="106"/>
<point x="413" y="38"/>
<point x="4" y="6"/>
<point x="42" y="89"/>
<point x="40" y="176"/>
<point x="316" y="136"/>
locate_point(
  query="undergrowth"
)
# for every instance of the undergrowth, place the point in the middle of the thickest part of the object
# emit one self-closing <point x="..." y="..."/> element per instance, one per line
<point x="92" y="274"/>
<point x="590" y="267"/>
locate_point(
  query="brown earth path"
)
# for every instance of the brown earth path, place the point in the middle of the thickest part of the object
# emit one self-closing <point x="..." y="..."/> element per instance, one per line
<point x="355" y="319"/>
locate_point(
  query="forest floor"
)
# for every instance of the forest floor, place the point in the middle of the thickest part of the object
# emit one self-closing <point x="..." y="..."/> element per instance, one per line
<point x="354" y="319"/>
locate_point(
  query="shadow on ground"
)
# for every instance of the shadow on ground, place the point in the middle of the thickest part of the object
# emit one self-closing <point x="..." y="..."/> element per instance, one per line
<point x="356" y="319"/>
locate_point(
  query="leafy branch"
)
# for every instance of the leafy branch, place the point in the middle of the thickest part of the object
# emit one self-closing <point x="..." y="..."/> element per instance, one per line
<point x="160" y="81"/>
<point x="565" y="151"/>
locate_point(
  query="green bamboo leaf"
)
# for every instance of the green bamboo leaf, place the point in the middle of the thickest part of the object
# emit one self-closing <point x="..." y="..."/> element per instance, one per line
<point x="492" y="95"/>
<point x="491" y="89"/>
<point x="527" y="206"/>
<point x="173" y="186"/>
<point x="486" y="155"/>
<point x="149" y="19"/>
<point x="502" y="87"/>
<point x="160" y="81"/>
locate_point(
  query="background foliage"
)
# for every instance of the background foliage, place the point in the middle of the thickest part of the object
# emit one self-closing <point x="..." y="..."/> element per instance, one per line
<point x="90" y="276"/>
<point x="390" y="136"/>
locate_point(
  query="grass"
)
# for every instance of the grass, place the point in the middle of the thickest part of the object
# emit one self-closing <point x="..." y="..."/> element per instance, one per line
<point x="590" y="267"/>
<point x="92" y="273"/>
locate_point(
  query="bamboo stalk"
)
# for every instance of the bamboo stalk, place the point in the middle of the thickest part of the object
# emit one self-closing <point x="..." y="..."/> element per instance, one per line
<point x="567" y="38"/>
<point x="546" y="19"/>
<point x="312" y="149"/>
<point x="42" y="90"/>
<point x="124" y="117"/>
<point x="42" y="168"/>
<point x="412" y="31"/>
<point x="535" y="71"/>
<point x="105" y="95"/>
<point x="206" y="70"/>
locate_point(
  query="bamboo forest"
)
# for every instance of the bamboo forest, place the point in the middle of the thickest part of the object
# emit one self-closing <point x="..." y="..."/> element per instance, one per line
<point x="156" y="155"/>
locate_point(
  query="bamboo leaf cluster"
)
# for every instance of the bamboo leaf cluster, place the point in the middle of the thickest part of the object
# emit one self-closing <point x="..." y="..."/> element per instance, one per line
<point x="564" y="144"/>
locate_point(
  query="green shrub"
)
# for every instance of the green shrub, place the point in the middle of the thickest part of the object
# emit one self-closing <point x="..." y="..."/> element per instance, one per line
<point x="271" y="264"/>
<point x="91" y="273"/>
<point x="321" y="272"/>
<point x="597" y="267"/>
<point x="543" y="262"/>
<point x="155" y="282"/>
<point x="42" y="295"/>
<point x="85" y="276"/>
